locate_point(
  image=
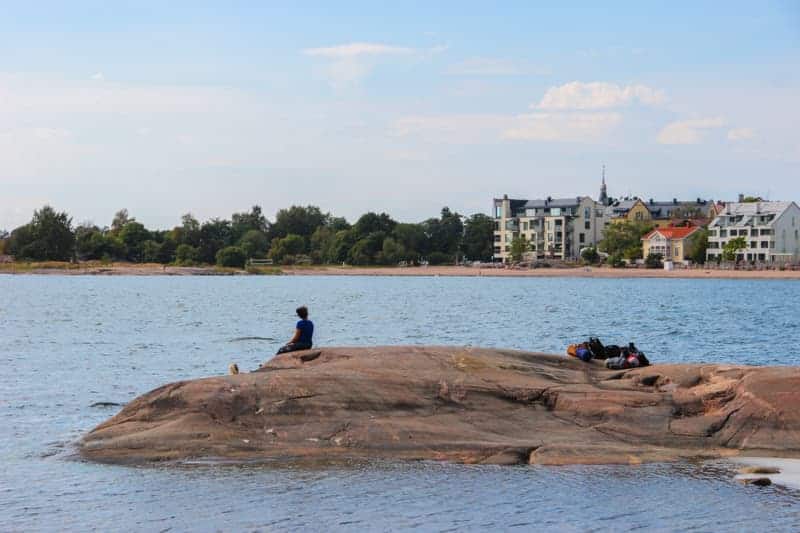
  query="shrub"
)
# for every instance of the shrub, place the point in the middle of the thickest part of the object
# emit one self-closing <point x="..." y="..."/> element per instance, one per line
<point x="654" y="261"/>
<point x="590" y="255"/>
<point x="615" y="261"/>
<point x="185" y="255"/>
<point x="231" y="256"/>
<point x="439" y="258"/>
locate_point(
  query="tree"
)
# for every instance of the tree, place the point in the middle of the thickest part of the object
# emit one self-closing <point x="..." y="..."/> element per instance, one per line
<point x="48" y="237"/>
<point x="393" y="252"/>
<point x="188" y="232"/>
<point x="732" y="247"/>
<point x="697" y="244"/>
<point x="284" y="249"/>
<point x="133" y="235"/>
<point x="478" y="235"/>
<point x="413" y="240"/>
<point x="231" y="256"/>
<point x="624" y="239"/>
<point x="519" y="245"/>
<point x="151" y="251"/>
<point x="92" y="243"/>
<point x="186" y="255"/>
<point x="654" y="261"/>
<point x="121" y="218"/>
<point x="373" y="223"/>
<point x="752" y="199"/>
<point x="590" y="255"/>
<point x="297" y="220"/>
<point x="254" y="243"/>
<point x="215" y="234"/>
<point x="242" y="223"/>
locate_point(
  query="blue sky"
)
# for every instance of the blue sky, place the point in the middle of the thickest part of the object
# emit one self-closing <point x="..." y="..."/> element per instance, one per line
<point x="171" y="107"/>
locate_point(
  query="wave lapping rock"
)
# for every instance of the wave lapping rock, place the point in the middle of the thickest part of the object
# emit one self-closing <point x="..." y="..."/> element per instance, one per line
<point x="468" y="405"/>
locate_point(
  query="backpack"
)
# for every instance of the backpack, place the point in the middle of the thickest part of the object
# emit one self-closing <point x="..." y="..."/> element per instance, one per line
<point x="572" y="350"/>
<point x="597" y="348"/>
<point x="612" y="350"/>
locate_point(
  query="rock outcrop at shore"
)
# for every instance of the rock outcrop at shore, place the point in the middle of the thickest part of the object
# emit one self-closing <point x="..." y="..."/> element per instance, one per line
<point x="466" y="405"/>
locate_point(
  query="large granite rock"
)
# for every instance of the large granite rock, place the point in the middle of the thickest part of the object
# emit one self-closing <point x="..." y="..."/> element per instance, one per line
<point x="458" y="404"/>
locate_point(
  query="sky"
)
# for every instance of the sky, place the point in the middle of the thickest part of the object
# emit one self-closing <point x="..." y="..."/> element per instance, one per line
<point x="165" y="108"/>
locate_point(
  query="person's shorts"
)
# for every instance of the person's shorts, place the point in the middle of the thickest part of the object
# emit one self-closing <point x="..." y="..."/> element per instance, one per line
<point x="294" y="347"/>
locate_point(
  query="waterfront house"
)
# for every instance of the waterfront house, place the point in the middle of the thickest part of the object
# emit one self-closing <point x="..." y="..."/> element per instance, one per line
<point x="662" y="214"/>
<point x="671" y="242"/>
<point x="771" y="231"/>
<point x="556" y="228"/>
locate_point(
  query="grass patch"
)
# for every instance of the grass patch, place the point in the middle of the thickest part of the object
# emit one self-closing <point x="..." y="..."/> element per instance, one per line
<point x="264" y="270"/>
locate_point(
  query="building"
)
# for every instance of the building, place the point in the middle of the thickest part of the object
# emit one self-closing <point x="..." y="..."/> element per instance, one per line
<point x="672" y="242"/>
<point x="771" y="231"/>
<point x="662" y="214"/>
<point x="555" y="228"/>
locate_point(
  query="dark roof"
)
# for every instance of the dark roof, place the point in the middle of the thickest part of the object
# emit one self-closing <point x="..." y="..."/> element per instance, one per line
<point x="554" y="202"/>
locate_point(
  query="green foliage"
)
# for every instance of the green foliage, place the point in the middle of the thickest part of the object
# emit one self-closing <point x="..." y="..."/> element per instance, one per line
<point x="254" y="243"/>
<point x="478" y="237"/>
<point x="285" y="249"/>
<point x="440" y="258"/>
<point x="297" y="220"/>
<point x="92" y="243"/>
<point x="590" y="255"/>
<point x="654" y="261"/>
<point x="231" y="256"/>
<point x="186" y="255"/>
<point x="752" y="199"/>
<point x="48" y="237"/>
<point x="413" y="240"/>
<point x="121" y="218"/>
<point x="215" y="234"/>
<point x="519" y="245"/>
<point x="696" y="246"/>
<point x="615" y="261"/>
<point x="393" y="252"/>
<point x="133" y="236"/>
<point x="244" y="223"/>
<point x="732" y="247"/>
<point x="624" y="239"/>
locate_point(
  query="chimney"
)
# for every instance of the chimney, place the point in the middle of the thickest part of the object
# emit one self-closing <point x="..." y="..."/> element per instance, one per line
<point x="651" y="201"/>
<point x="741" y="197"/>
<point x="505" y="197"/>
<point x="675" y="201"/>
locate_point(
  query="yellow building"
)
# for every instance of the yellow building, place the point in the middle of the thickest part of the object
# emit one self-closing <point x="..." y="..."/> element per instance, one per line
<point x="671" y="243"/>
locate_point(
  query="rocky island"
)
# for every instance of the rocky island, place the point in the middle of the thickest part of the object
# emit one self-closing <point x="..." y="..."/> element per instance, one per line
<point x="468" y="405"/>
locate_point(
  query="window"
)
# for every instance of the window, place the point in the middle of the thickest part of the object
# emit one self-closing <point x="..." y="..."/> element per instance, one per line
<point x="524" y="226"/>
<point x="496" y="226"/>
<point x="764" y="244"/>
<point x="638" y="215"/>
<point x="587" y="213"/>
<point x="556" y="211"/>
<point x="530" y="212"/>
<point x="734" y="232"/>
<point x="498" y="211"/>
<point x="587" y="225"/>
<point x="753" y="244"/>
<point x="723" y="233"/>
<point x="497" y="237"/>
<point x="676" y="252"/>
<point x="581" y="238"/>
<point x="508" y="237"/>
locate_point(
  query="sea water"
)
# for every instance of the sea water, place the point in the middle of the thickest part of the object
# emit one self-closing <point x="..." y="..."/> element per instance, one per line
<point x="73" y="347"/>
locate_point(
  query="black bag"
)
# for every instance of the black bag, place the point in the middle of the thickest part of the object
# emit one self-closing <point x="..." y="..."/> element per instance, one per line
<point x="597" y="348"/>
<point x="612" y="350"/>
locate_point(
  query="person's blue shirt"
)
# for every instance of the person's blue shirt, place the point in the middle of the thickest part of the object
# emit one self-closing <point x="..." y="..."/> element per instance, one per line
<point x="306" y="328"/>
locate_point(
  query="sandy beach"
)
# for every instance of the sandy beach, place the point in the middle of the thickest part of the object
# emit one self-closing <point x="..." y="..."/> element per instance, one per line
<point x="150" y="269"/>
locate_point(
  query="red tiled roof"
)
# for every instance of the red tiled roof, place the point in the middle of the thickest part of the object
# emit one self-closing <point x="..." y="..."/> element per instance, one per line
<point x="673" y="232"/>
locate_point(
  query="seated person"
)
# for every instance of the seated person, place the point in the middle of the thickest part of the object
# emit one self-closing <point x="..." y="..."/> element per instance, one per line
<point x="303" y="332"/>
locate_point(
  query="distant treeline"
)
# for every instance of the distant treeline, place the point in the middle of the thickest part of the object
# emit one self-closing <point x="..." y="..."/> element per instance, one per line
<point x="297" y="234"/>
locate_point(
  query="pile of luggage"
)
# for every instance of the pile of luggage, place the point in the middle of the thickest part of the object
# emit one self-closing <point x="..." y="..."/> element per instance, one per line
<point x="616" y="357"/>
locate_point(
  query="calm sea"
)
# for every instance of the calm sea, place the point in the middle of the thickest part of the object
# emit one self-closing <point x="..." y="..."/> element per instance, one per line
<point x="67" y="343"/>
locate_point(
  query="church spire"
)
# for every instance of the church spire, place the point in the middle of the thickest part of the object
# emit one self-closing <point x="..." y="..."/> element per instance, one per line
<point x="603" y="193"/>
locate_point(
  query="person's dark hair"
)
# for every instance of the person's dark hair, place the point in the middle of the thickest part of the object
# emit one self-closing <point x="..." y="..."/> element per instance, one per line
<point x="302" y="312"/>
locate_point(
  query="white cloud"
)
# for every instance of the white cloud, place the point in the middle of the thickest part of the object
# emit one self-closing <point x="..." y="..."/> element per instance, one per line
<point x="349" y="63"/>
<point x="487" y="128"/>
<point x="597" y="95"/>
<point x="98" y="76"/>
<point x="357" y="49"/>
<point x="688" y="131"/>
<point x="740" y="134"/>
<point x="563" y="127"/>
<point x="487" y="66"/>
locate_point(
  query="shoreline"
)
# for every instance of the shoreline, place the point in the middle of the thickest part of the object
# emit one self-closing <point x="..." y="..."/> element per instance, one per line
<point x="148" y="269"/>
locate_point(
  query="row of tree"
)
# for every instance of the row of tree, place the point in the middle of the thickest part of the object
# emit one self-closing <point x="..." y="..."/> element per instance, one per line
<point x="297" y="234"/>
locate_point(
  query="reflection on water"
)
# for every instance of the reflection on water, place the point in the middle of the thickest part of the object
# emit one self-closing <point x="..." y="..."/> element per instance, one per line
<point x="72" y="347"/>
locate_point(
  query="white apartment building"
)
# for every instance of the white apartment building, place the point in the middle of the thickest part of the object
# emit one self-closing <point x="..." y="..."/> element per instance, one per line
<point x="771" y="230"/>
<point x="557" y="228"/>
